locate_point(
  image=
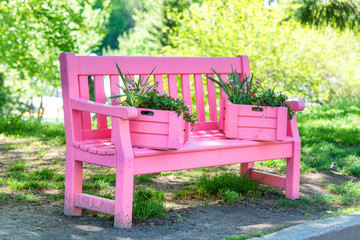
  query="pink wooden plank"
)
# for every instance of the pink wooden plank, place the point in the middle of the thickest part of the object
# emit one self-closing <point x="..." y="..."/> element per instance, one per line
<point x="105" y="65"/>
<point x="100" y="98"/>
<point x="149" y="127"/>
<point x="176" y="132"/>
<point x="70" y="89"/>
<point x="107" y="161"/>
<point x="256" y="133"/>
<point x="95" y="203"/>
<point x="199" y="95"/>
<point x="84" y="93"/>
<point x="114" y="111"/>
<point x="206" y="126"/>
<point x="172" y="86"/>
<point x="258" y="122"/>
<point x="158" y="115"/>
<point x="186" y="92"/>
<point x="244" y="67"/>
<point x="268" y="178"/>
<point x="208" y="158"/>
<point x="96" y="133"/>
<point x="281" y="123"/>
<point x="159" y="79"/>
<point x="151" y="140"/>
<point x="230" y="124"/>
<point x="212" y="99"/>
<point x="114" y="79"/>
<point x="248" y="110"/>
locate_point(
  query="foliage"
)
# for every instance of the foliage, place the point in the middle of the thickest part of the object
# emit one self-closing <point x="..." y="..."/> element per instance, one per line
<point x="161" y="101"/>
<point x="14" y="125"/>
<point x="329" y="133"/>
<point x="229" y="197"/>
<point x="142" y="94"/>
<point x="230" y="181"/>
<point x="34" y="33"/>
<point x="148" y="203"/>
<point x="303" y="61"/>
<point x="250" y="92"/>
<point x="341" y="14"/>
<point x="132" y="89"/>
<point x="154" y="22"/>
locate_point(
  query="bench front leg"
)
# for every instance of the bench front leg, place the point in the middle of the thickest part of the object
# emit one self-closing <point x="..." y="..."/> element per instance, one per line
<point x="124" y="173"/>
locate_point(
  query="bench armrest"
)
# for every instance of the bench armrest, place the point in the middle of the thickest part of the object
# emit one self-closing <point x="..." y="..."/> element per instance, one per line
<point x="127" y="113"/>
<point x="297" y="105"/>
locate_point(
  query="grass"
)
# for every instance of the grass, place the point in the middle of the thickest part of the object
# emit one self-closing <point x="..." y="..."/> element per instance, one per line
<point x="254" y="234"/>
<point x="329" y="134"/>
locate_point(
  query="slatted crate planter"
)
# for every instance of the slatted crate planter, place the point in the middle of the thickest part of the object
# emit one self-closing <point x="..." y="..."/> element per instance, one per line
<point x="255" y="122"/>
<point x="158" y="129"/>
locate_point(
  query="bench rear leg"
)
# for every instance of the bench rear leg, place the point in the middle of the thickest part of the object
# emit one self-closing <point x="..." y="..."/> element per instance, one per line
<point x="244" y="168"/>
<point x="73" y="184"/>
<point x="293" y="174"/>
<point x="123" y="198"/>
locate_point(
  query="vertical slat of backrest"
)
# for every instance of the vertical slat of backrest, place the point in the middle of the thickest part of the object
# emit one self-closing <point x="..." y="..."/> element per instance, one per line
<point x="212" y="99"/>
<point x="224" y="78"/>
<point x="245" y="67"/>
<point x="84" y="93"/>
<point x="199" y="96"/>
<point x="70" y="89"/>
<point x="186" y="93"/>
<point x="114" y="89"/>
<point x="159" y="79"/>
<point x="222" y="103"/>
<point x="100" y="98"/>
<point x="172" y="86"/>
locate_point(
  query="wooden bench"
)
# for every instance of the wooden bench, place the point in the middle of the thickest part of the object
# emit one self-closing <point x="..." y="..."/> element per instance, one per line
<point x="207" y="145"/>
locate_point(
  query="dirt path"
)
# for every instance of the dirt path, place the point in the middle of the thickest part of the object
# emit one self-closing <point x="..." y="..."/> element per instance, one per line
<point x="209" y="222"/>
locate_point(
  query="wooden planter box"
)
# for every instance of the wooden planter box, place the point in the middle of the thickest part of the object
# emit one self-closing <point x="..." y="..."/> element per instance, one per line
<point x="158" y="129"/>
<point x="254" y="123"/>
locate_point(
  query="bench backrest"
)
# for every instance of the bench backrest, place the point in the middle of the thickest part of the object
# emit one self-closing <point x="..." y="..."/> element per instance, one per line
<point x="178" y="76"/>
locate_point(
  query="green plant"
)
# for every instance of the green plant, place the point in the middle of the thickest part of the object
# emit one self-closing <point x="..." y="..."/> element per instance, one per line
<point x="142" y="94"/>
<point x="132" y="89"/>
<point x="250" y="91"/>
<point x="229" y="197"/>
<point x="148" y="203"/>
<point x="240" y="184"/>
<point x="161" y="101"/>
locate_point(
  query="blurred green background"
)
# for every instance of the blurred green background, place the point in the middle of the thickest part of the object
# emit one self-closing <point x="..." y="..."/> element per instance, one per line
<point x="309" y="49"/>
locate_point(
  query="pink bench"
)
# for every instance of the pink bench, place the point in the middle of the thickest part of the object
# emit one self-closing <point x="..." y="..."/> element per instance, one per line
<point x="206" y="147"/>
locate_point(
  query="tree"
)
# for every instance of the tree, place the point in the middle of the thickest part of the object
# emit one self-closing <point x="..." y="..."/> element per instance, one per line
<point x="35" y="32"/>
<point x="340" y="14"/>
<point x="319" y="65"/>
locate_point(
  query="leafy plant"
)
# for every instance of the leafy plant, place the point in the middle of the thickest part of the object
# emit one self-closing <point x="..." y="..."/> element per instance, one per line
<point x="142" y="94"/>
<point x="250" y="91"/>
<point x="132" y="89"/>
<point x="161" y="101"/>
<point x="229" y="197"/>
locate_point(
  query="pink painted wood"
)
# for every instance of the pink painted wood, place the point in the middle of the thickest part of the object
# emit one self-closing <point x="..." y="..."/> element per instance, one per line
<point x="113" y="147"/>
<point x="255" y="123"/>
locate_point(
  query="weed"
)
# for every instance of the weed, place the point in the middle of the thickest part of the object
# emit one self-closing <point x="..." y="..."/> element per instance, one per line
<point x="148" y="203"/>
<point x="255" y="234"/>
<point x="17" y="167"/>
<point x="240" y="184"/>
<point x="229" y="197"/>
<point x="44" y="174"/>
<point x="3" y="196"/>
<point x="347" y="191"/>
<point x="27" y="197"/>
<point x="146" y="178"/>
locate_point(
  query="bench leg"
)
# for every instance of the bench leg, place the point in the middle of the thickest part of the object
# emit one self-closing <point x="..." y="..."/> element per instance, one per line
<point x="73" y="184"/>
<point x="293" y="174"/>
<point x="244" y="168"/>
<point x="123" y="198"/>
